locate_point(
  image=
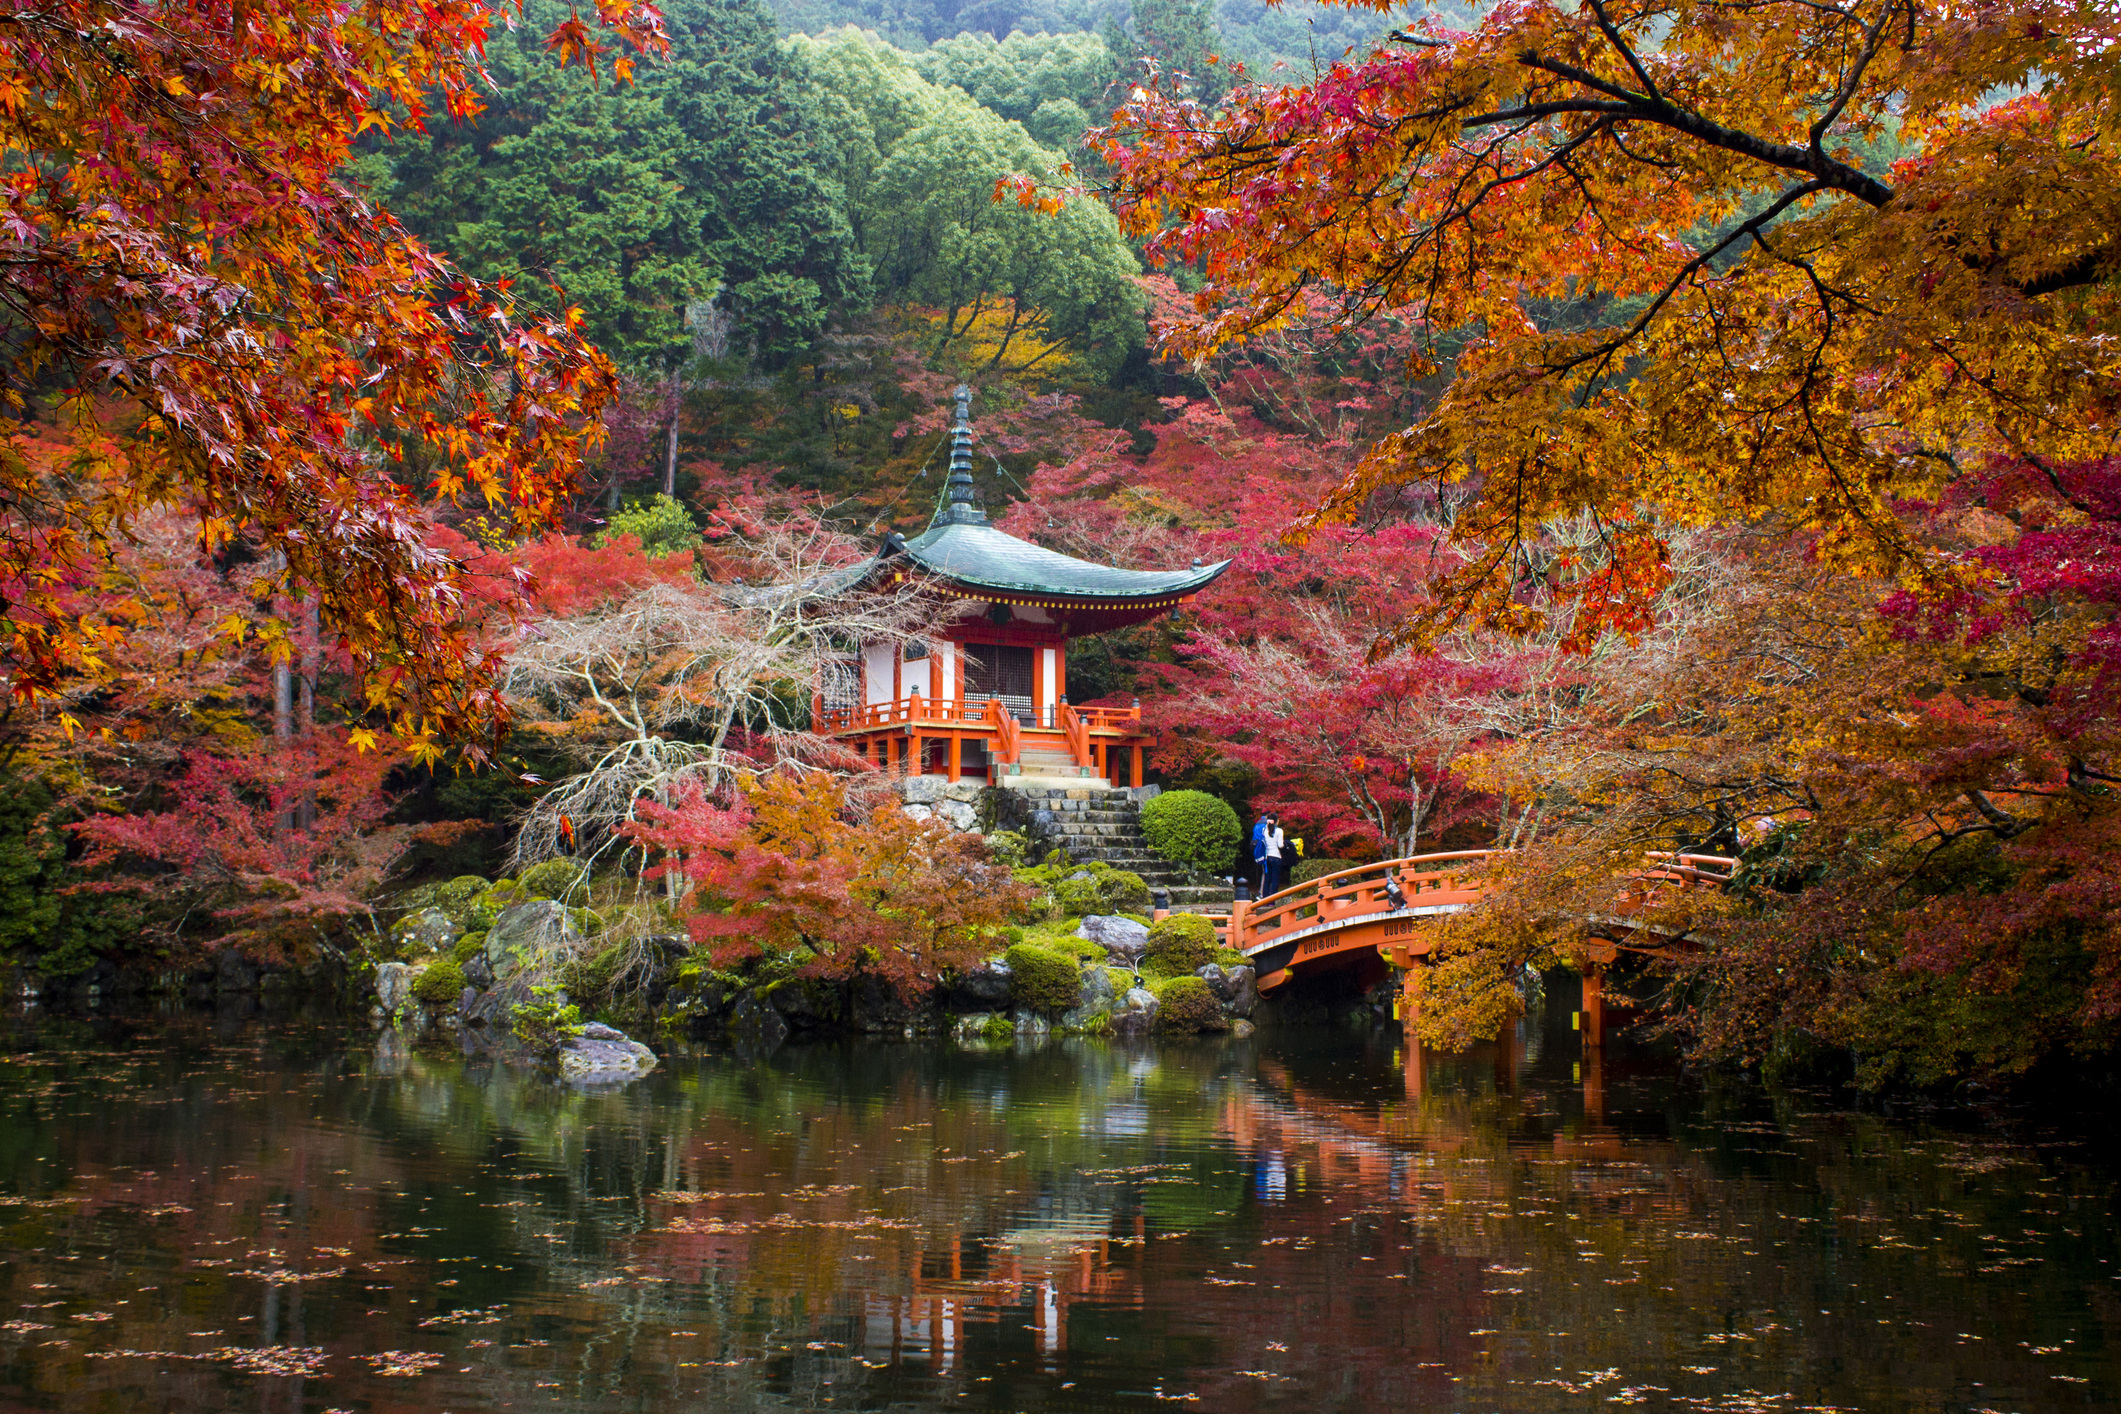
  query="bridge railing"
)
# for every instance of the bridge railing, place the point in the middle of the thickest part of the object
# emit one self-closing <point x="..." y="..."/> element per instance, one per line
<point x="1438" y="881"/>
<point x="1426" y="880"/>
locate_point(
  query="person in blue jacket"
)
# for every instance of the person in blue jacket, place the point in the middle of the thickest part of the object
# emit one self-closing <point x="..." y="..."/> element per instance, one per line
<point x="1266" y="853"/>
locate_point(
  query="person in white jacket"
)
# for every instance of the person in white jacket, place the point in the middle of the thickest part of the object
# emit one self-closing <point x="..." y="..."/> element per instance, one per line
<point x="1274" y="866"/>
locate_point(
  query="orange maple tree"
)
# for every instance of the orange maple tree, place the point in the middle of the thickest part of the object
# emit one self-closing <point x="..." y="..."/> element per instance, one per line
<point x="209" y="319"/>
<point x="1669" y="268"/>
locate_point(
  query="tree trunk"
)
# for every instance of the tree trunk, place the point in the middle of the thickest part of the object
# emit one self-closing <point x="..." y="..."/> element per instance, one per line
<point x="670" y="457"/>
<point x="306" y="708"/>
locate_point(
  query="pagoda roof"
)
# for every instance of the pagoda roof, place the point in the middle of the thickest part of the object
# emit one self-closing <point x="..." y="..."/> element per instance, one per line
<point x="978" y="556"/>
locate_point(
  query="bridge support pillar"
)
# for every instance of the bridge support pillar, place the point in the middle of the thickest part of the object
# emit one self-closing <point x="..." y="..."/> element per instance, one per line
<point x="1593" y="1008"/>
<point x="1409" y="998"/>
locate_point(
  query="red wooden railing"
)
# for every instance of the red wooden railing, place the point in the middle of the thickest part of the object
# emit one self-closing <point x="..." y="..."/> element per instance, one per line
<point x="1008" y="746"/>
<point x="1078" y="730"/>
<point x="1427" y="881"/>
<point x="915" y="709"/>
<point x="1354" y="893"/>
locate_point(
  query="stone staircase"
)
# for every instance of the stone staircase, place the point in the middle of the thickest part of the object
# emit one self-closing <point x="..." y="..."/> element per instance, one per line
<point x="1092" y="820"/>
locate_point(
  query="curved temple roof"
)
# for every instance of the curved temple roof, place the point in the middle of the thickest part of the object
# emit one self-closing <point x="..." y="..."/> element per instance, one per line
<point x="981" y="557"/>
<point x="961" y="547"/>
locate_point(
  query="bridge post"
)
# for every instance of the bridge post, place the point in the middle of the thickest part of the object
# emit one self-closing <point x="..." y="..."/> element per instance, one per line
<point x="1593" y="1008"/>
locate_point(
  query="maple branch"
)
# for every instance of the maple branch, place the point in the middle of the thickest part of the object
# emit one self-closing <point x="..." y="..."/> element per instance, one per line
<point x="1650" y="108"/>
<point x="1855" y="77"/>
<point x="1748" y="228"/>
<point x="2006" y="824"/>
<point x="1613" y="38"/>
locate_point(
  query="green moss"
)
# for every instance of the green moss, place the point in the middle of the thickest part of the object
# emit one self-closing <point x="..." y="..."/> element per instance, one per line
<point x="459" y="898"/>
<point x="1181" y="944"/>
<point x="1095" y="887"/>
<point x="1192" y="828"/>
<point x="488" y="905"/>
<point x="440" y="984"/>
<point x="554" y="879"/>
<point x="592" y="978"/>
<point x="467" y="948"/>
<point x="1042" y="979"/>
<point x="1008" y="848"/>
<point x="1185" y="1005"/>
<point x="998" y="1028"/>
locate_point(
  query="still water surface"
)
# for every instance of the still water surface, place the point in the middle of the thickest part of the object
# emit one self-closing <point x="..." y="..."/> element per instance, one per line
<point x="268" y="1217"/>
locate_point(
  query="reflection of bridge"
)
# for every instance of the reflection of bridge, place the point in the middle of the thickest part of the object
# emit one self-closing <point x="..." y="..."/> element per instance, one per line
<point x="1351" y="922"/>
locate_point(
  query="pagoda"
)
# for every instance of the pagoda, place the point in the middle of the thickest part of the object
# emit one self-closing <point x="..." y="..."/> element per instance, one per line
<point x="990" y="701"/>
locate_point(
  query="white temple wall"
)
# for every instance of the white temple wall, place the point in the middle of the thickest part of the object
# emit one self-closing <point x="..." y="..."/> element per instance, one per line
<point x="913" y="677"/>
<point x="876" y="671"/>
<point x="946" y="658"/>
<point x="1048" y="690"/>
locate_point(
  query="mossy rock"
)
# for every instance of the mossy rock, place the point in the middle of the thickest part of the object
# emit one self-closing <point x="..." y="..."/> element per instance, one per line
<point x="467" y="947"/>
<point x="491" y="902"/>
<point x="459" y="898"/>
<point x="439" y="985"/>
<point x="1043" y="980"/>
<point x="554" y="879"/>
<point x="1187" y="1004"/>
<point x="998" y="1028"/>
<point x="1180" y="944"/>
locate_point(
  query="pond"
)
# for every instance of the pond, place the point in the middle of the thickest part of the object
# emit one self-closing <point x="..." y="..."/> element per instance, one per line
<point x="206" y="1214"/>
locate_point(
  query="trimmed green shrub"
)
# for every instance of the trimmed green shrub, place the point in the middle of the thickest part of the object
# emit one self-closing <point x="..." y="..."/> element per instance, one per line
<point x="1192" y="828"/>
<point x="1188" y="1004"/>
<point x="467" y="948"/>
<point x="555" y="879"/>
<point x="1180" y="944"/>
<point x="440" y="984"/>
<point x="1043" y="980"/>
<point x="1309" y="869"/>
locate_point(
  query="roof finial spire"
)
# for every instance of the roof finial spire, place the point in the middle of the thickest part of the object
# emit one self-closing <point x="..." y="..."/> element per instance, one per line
<point x="961" y="509"/>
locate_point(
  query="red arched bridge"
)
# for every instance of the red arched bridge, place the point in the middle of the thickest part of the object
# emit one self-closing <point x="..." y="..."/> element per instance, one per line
<point x="1351" y="922"/>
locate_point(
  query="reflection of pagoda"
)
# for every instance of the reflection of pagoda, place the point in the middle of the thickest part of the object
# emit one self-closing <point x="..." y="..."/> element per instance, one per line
<point x="992" y="701"/>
